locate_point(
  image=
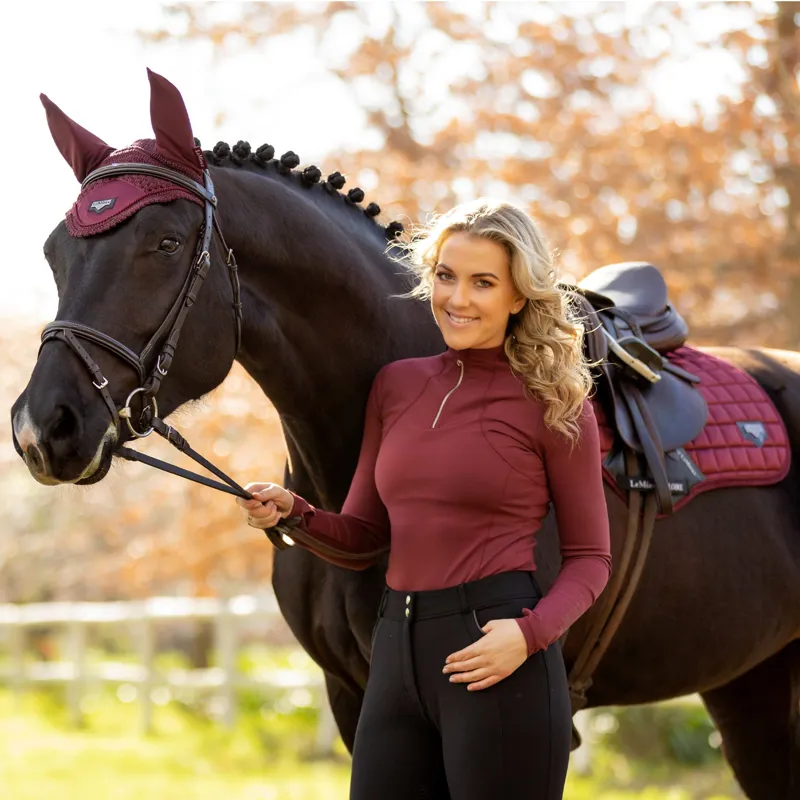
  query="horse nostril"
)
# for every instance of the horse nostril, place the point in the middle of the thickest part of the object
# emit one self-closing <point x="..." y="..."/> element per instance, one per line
<point x="34" y="458"/>
<point x="63" y="424"/>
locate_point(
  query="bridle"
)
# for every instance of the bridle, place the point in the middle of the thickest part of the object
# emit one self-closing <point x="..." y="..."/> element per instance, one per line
<point x="168" y="333"/>
<point x="164" y="340"/>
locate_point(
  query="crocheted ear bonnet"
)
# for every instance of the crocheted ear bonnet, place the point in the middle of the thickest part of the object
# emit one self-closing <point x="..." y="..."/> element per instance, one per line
<point x="105" y="203"/>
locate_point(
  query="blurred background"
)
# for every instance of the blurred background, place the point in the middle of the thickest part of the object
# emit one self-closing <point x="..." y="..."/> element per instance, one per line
<point x="667" y="132"/>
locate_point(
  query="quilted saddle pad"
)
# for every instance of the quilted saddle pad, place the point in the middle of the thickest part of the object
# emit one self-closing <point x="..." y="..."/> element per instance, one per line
<point x="744" y="441"/>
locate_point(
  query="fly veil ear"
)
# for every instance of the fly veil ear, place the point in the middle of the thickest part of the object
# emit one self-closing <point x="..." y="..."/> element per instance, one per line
<point x="109" y="200"/>
<point x="170" y="121"/>
<point x="82" y="150"/>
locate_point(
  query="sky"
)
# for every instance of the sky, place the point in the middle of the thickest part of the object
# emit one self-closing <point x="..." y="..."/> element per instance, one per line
<point x="87" y="57"/>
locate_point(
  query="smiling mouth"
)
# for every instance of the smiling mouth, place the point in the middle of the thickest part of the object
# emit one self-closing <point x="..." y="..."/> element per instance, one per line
<point x="460" y="321"/>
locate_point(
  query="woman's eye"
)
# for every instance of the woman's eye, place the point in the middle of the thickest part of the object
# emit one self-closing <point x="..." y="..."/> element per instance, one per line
<point x="484" y="284"/>
<point x="442" y="275"/>
<point x="169" y="245"/>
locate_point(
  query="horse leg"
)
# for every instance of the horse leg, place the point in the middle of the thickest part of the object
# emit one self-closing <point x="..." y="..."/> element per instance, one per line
<point x="758" y="717"/>
<point x="346" y="706"/>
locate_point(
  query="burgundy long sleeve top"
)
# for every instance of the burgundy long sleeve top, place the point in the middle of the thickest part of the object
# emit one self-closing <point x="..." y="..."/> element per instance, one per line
<point x="456" y="472"/>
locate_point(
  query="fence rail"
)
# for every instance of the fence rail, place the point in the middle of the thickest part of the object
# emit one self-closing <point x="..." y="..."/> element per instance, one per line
<point x="227" y="616"/>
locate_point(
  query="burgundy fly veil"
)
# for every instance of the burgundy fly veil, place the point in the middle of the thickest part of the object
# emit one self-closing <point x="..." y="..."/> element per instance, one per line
<point x="107" y="202"/>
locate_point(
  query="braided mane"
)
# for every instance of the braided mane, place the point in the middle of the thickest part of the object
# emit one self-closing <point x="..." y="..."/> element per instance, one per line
<point x="241" y="154"/>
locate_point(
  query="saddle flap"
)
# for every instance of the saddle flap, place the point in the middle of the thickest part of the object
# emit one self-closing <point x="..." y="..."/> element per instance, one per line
<point x="679" y="412"/>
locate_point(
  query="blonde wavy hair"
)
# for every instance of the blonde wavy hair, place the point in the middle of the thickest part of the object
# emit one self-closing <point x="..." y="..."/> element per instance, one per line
<point x="544" y="340"/>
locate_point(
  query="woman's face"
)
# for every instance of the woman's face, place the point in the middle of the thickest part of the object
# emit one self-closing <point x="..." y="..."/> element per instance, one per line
<point x="473" y="293"/>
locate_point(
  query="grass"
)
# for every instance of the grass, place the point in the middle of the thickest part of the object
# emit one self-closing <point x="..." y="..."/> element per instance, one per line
<point x="190" y="756"/>
<point x="186" y="758"/>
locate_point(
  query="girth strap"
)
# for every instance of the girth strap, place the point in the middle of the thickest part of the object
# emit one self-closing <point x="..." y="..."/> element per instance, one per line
<point x="607" y="614"/>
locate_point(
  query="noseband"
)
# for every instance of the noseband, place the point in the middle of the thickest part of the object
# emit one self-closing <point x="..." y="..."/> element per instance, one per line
<point x="166" y="338"/>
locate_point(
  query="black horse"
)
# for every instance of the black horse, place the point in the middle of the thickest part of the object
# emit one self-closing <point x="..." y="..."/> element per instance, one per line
<point x="717" y="610"/>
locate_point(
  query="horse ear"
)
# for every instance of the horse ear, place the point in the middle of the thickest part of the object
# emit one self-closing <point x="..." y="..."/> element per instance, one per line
<point x="170" y="121"/>
<point x="82" y="150"/>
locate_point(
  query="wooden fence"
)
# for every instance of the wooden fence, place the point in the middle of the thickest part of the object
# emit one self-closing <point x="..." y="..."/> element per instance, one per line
<point x="140" y="617"/>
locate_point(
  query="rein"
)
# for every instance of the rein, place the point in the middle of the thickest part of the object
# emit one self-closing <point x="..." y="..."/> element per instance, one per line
<point x="168" y="333"/>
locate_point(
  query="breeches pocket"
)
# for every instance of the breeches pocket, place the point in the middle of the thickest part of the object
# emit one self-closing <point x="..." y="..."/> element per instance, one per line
<point x="476" y="618"/>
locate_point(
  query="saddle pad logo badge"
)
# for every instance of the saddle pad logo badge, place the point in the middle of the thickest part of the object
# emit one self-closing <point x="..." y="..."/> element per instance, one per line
<point x="755" y="432"/>
<point x="99" y="206"/>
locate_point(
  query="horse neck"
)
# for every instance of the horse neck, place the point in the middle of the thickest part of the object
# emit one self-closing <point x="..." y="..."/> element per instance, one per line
<point x="318" y="319"/>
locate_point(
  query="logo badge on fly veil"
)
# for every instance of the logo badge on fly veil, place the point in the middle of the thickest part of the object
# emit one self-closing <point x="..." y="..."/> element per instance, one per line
<point x="99" y="206"/>
<point x="755" y="432"/>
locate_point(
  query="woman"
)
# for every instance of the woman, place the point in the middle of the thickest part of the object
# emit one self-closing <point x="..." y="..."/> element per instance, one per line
<point x="462" y="453"/>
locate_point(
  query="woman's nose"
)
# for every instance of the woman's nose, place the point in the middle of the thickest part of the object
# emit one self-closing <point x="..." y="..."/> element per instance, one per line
<point x="460" y="296"/>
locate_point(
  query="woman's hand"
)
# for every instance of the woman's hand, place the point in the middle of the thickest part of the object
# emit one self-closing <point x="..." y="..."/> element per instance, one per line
<point x="493" y="657"/>
<point x="269" y="505"/>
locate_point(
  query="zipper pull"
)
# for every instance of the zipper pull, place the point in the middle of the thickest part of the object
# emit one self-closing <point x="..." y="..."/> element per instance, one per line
<point x="447" y="396"/>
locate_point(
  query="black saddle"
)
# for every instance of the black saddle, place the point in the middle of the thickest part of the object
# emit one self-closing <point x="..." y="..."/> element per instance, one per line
<point x="630" y="329"/>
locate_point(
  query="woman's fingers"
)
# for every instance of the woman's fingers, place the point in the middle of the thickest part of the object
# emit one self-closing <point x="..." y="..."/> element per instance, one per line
<point x="248" y="503"/>
<point x="263" y="510"/>
<point x="282" y="499"/>
<point x="254" y="489"/>
<point x="270" y="493"/>
<point x="473" y="675"/>
<point x="263" y="524"/>
<point x="484" y="684"/>
<point x="463" y="666"/>
<point x="267" y="519"/>
<point x="262" y="492"/>
<point x="257" y="486"/>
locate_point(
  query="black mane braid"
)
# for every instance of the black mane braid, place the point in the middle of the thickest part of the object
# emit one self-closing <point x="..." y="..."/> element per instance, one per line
<point x="223" y="155"/>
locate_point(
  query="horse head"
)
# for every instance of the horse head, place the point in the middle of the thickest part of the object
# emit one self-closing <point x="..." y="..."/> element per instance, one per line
<point x="122" y="261"/>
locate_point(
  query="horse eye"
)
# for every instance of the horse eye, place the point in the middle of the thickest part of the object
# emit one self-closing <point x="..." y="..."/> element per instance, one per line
<point x="169" y="245"/>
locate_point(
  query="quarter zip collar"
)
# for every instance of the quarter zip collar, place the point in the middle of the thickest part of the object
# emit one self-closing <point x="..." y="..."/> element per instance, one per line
<point x="478" y="357"/>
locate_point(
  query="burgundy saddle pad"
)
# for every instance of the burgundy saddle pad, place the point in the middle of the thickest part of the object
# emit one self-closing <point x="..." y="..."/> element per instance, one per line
<point x="744" y="441"/>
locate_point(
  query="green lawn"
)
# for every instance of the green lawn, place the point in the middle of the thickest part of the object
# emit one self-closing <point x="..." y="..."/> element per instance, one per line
<point x="189" y="757"/>
<point x="185" y="758"/>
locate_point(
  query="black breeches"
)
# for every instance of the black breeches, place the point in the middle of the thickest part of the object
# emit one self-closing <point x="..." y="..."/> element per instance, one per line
<point x="421" y="737"/>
